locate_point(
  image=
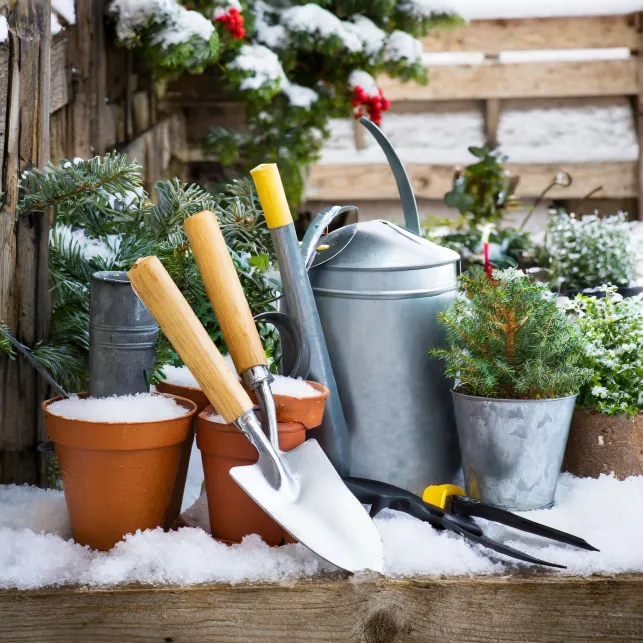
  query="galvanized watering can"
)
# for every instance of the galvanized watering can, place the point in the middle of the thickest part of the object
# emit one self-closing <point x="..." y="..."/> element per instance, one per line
<point x="378" y="289"/>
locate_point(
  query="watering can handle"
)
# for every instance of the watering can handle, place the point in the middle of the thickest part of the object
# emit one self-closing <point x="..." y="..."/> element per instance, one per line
<point x="164" y="300"/>
<point x="409" y="206"/>
<point x="316" y="229"/>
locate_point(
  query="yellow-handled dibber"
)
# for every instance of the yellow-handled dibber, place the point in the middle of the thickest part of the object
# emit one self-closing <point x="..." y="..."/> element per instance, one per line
<point x="272" y="195"/>
<point x="332" y="435"/>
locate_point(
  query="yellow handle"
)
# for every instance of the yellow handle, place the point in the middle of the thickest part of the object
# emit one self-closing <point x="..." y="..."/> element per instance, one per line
<point x="191" y="341"/>
<point x="438" y="494"/>
<point x="225" y="291"/>
<point x="272" y="195"/>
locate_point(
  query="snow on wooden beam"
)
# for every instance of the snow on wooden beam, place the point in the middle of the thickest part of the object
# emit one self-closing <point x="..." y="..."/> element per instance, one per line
<point x="535" y="608"/>
<point x="547" y="79"/>
<point x="493" y="36"/>
<point x="328" y="182"/>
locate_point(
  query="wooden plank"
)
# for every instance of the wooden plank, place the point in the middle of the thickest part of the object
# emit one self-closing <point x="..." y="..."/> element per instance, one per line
<point x="579" y="32"/>
<point x="374" y="181"/>
<point x="24" y="288"/>
<point x="59" y="74"/>
<point x="638" y="102"/>
<point x="549" y="79"/>
<point x="492" y="110"/>
<point x="536" y="608"/>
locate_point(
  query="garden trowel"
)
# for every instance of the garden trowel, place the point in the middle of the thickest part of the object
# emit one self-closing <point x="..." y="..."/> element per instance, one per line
<point x="300" y="489"/>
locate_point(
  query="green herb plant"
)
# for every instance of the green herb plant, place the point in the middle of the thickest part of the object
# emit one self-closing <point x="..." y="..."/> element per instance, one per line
<point x="507" y="338"/>
<point x="612" y="333"/>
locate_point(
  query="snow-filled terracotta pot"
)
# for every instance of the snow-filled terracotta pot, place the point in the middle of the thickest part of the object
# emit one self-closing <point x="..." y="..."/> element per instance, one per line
<point x="601" y="443"/>
<point x="308" y="411"/>
<point x="233" y="514"/>
<point x="119" y="476"/>
<point x="197" y="396"/>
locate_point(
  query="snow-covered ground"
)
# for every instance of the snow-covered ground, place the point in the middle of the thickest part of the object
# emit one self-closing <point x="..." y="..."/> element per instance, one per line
<point x="538" y="131"/>
<point x="36" y="550"/>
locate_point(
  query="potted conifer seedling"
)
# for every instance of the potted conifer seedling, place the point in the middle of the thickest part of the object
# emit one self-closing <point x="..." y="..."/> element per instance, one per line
<point x="515" y="359"/>
<point x="606" y="434"/>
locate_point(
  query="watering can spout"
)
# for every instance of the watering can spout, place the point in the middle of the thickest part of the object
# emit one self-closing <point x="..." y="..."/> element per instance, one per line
<point x="409" y="205"/>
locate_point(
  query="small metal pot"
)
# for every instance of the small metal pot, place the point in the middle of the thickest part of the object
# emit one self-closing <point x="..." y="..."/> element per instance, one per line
<point x="512" y="450"/>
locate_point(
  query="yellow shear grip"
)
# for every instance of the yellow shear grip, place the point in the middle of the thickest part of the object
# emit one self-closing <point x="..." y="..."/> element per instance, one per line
<point x="438" y="494"/>
<point x="271" y="194"/>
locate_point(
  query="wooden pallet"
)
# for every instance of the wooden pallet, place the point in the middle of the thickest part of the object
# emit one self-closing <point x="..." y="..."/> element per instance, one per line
<point x="535" y="608"/>
<point x="492" y="83"/>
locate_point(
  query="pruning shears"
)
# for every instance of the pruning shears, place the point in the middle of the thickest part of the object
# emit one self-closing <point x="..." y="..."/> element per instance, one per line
<point x="447" y="507"/>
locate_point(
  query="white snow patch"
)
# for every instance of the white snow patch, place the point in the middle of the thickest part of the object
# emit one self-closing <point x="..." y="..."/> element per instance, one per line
<point x="88" y="246"/>
<point x="402" y="46"/>
<point x="182" y="376"/>
<point x="546" y="55"/>
<point x="363" y="79"/>
<point x="492" y="9"/>
<point x="431" y="59"/>
<point x="601" y="441"/>
<point x="40" y="510"/>
<point x="298" y="95"/>
<point x="56" y="27"/>
<point x="438" y="136"/>
<point x="370" y="34"/>
<point x="273" y="36"/>
<point x="194" y="479"/>
<point x="557" y="131"/>
<point x="292" y="387"/>
<point x="188" y="24"/>
<point x="66" y="8"/>
<point x="142" y="407"/>
<point x="316" y="21"/>
<point x="412" y="548"/>
<point x="262" y="62"/>
<point x="4" y="29"/>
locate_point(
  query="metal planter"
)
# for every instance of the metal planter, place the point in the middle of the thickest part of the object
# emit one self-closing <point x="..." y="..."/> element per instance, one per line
<point x="512" y="450"/>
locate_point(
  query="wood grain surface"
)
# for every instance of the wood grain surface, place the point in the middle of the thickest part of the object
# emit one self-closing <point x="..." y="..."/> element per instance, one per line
<point x="523" y="609"/>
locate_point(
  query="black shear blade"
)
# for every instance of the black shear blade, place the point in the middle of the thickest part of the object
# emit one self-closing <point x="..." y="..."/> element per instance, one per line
<point x="505" y="549"/>
<point x="470" y="507"/>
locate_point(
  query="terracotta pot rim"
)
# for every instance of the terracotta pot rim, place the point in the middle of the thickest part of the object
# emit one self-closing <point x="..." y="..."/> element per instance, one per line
<point x="512" y="400"/>
<point x="189" y="388"/>
<point x="203" y="419"/>
<point x="183" y="401"/>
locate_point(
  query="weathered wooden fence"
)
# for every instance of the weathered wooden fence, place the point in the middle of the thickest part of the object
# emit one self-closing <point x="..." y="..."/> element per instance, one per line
<point x="490" y="83"/>
<point x="74" y="94"/>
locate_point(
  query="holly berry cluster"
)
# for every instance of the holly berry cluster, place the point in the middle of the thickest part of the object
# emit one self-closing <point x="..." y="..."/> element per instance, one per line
<point x="373" y="104"/>
<point x="233" y="22"/>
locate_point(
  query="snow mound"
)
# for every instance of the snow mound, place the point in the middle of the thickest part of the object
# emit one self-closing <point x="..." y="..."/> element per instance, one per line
<point x="142" y="407"/>
<point x="412" y="548"/>
<point x="292" y="387"/>
<point x="182" y="376"/>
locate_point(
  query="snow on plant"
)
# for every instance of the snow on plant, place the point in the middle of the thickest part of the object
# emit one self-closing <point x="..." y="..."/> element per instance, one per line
<point x="588" y="251"/>
<point x="612" y="331"/>
<point x="291" y="59"/>
<point x="175" y="39"/>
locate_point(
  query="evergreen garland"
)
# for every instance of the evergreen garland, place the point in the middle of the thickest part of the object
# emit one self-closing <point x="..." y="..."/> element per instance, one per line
<point x="104" y="220"/>
<point x="509" y="339"/>
<point x="291" y="63"/>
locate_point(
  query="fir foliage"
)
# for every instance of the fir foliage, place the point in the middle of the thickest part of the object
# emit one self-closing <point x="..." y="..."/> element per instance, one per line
<point x="279" y="57"/>
<point x="104" y="220"/>
<point x="508" y="338"/>
<point x="612" y="330"/>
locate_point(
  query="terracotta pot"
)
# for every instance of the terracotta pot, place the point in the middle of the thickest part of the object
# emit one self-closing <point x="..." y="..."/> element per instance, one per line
<point x="197" y="396"/>
<point x="601" y="443"/>
<point x="119" y="476"/>
<point x="233" y="514"/>
<point x="309" y="411"/>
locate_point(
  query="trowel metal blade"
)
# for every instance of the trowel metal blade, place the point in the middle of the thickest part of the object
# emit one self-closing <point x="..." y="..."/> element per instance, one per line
<point x="322" y="514"/>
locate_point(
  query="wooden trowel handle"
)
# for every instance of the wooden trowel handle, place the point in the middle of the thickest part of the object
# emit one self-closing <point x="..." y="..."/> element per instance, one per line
<point x="191" y="341"/>
<point x="225" y="291"/>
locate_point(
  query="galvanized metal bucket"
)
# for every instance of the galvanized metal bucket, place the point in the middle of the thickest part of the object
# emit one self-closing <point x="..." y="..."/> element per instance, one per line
<point x="512" y="450"/>
<point x="122" y="337"/>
